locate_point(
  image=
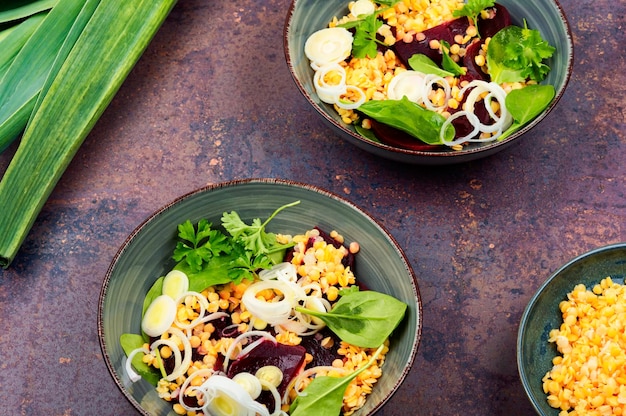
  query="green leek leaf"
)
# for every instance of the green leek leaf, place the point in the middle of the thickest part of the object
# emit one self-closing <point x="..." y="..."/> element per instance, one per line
<point x="71" y="102"/>
<point x="12" y="10"/>
<point x="25" y="77"/>
<point x="13" y="39"/>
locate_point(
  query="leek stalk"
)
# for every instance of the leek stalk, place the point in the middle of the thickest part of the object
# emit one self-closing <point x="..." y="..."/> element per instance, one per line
<point x="12" y="10"/>
<point x="21" y="84"/>
<point x="74" y="97"/>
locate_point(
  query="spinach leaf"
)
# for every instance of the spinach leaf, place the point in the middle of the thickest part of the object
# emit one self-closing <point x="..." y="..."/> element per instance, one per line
<point x="367" y="133"/>
<point x="131" y="342"/>
<point x="155" y="291"/>
<point x="324" y="396"/>
<point x="365" y="319"/>
<point x="422" y="63"/>
<point x="409" y="117"/>
<point x="525" y="104"/>
<point x="448" y="63"/>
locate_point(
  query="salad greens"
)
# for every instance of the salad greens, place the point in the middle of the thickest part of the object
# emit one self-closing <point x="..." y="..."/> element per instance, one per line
<point x="422" y="63"/>
<point x="516" y="54"/>
<point x="365" y="42"/>
<point x="473" y="8"/>
<point x="210" y="257"/>
<point x="409" y="117"/>
<point x="362" y="318"/>
<point x="324" y="396"/>
<point x="448" y="63"/>
<point x="131" y="342"/>
<point x="525" y="104"/>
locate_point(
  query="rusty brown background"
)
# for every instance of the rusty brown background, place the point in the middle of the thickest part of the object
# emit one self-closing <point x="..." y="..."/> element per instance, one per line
<point x="212" y="100"/>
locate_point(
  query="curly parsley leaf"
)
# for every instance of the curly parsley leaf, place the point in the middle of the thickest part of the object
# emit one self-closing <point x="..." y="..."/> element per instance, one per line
<point x="253" y="236"/>
<point x="199" y="244"/>
<point x="472" y="9"/>
<point x="516" y="54"/>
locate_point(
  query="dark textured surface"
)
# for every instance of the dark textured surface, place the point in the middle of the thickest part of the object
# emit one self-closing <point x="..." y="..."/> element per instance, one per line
<point x="212" y="100"/>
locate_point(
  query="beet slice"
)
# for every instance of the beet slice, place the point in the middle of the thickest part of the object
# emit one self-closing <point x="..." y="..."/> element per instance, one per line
<point x="289" y="358"/>
<point x="499" y="18"/>
<point x="445" y="31"/>
<point x="474" y="72"/>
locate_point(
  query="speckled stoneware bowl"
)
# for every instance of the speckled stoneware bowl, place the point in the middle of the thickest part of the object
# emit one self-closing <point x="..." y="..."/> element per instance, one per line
<point x="307" y="16"/>
<point x="534" y="352"/>
<point x="146" y="255"/>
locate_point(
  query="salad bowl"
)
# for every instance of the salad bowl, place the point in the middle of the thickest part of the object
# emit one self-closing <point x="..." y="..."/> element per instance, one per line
<point x="306" y="17"/>
<point x="146" y="254"/>
<point x="542" y="314"/>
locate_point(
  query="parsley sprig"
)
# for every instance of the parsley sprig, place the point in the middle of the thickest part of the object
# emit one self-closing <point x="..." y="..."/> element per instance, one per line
<point x="473" y="8"/>
<point x="365" y="42"/>
<point x="210" y="256"/>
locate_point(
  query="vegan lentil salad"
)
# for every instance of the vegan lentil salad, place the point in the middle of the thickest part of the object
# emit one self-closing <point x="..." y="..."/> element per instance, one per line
<point x="431" y="74"/>
<point x="225" y="336"/>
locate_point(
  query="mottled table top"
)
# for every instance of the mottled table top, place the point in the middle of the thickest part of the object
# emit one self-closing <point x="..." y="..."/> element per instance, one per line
<point x="212" y="100"/>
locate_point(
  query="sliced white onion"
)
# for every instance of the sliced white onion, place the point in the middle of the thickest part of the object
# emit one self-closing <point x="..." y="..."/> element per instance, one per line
<point x="204" y="304"/>
<point x="329" y="93"/>
<point x="328" y="46"/>
<point x="494" y="91"/>
<point x="203" y="372"/>
<point x="159" y="316"/>
<point x="240" y="338"/>
<point x="351" y="105"/>
<point x="282" y="271"/>
<point x="181" y="362"/>
<point x="178" y="359"/>
<point x="429" y="81"/>
<point x="275" y="395"/>
<point x="409" y="84"/>
<point x="275" y="312"/>
<point x="134" y="377"/>
<point x="473" y="120"/>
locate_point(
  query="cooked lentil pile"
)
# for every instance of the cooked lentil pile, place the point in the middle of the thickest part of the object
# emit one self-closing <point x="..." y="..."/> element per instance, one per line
<point x="589" y="377"/>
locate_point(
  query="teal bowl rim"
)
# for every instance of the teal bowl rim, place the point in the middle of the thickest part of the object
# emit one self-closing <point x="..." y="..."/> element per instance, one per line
<point x="532" y="304"/>
<point x="407" y="366"/>
<point x="426" y="157"/>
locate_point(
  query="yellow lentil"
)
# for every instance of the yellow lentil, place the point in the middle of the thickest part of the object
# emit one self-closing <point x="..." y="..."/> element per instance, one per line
<point x="589" y="377"/>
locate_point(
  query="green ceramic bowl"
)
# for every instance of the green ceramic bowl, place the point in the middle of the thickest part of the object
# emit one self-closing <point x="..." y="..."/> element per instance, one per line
<point x="145" y="255"/>
<point x="307" y="16"/>
<point x="534" y="352"/>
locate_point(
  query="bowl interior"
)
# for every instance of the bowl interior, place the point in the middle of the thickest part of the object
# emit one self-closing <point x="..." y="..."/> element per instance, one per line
<point x="307" y="16"/>
<point x="145" y="256"/>
<point x="534" y="353"/>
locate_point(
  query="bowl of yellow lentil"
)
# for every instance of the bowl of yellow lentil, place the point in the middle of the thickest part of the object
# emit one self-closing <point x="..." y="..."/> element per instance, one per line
<point x="379" y="265"/>
<point x="346" y="87"/>
<point x="571" y="347"/>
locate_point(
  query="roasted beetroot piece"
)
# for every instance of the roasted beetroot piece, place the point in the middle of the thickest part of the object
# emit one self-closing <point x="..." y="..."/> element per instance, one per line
<point x="290" y="360"/>
<point x="474" y="72"/>
<point x="499" y="18"/>
<point x="322" y="347"/>
<point x="394" y="137"/>
<point x="446" y="31"/>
